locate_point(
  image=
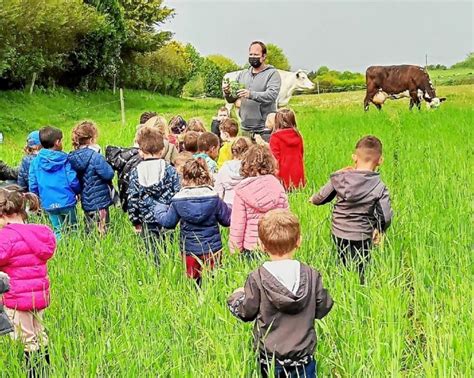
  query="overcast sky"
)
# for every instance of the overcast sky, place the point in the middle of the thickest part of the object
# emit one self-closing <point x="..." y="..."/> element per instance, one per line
<point x="342" y="35"/>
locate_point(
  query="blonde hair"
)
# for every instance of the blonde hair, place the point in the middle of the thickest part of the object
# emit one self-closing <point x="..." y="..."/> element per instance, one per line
<point x="83" y="133"/>
<point x="196" y="124"/>
<point x="181" y="159"/>
<point x="13" y="201"/>
<point x="159" y="123"/>
<point x="279" y="231"/>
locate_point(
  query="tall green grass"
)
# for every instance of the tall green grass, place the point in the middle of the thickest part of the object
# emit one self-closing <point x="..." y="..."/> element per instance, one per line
<point x="114" y="314"/>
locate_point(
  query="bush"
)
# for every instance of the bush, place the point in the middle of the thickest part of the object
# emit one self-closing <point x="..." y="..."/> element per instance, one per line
<point x="195" y="87"/>
<point x="166" y="70"/>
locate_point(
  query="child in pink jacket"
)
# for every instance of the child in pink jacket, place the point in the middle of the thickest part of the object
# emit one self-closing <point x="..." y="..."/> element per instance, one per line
<point x="259" y="192"/>
<point x="24" y="251"/>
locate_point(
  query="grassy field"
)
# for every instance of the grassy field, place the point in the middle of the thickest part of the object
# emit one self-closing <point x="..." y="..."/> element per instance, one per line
<point x="452" y="76"/>
<point x="114" y="314"/>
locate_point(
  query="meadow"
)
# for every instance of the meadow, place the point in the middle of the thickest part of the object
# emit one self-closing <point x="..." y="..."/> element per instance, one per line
<point x="114" y="314"/>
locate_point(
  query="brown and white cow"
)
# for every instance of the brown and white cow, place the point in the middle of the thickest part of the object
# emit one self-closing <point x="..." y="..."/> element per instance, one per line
<point x="396" y="82"/>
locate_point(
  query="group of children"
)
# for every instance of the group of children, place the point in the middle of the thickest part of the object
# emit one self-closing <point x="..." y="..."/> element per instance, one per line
<point x="179" y="173"/>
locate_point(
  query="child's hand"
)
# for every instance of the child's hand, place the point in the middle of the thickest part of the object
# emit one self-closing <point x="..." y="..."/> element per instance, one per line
<point x="239" y="290"/>
<point x="377" y="237"/>
<point x="137" y="228"/>
<point x="259" y="140"/>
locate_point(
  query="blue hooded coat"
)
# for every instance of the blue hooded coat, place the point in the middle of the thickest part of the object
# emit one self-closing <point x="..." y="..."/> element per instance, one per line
<point x="95" y="176"/>
<point x="53" y="180"/>
<point x="201" y="211"/>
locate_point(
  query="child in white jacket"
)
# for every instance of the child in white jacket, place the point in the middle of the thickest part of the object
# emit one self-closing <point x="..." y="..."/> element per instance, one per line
<point x="229" y="174"/>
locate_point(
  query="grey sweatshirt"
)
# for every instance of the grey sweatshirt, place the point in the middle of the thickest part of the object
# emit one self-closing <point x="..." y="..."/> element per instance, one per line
<point x="362" y="204"/>
<point x="264" y="88"/>
<point x="284" y="321"/>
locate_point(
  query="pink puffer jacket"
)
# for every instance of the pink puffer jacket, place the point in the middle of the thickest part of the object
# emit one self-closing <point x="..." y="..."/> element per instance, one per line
<point x="254" y="196"/>
<point x="24" y="251"/>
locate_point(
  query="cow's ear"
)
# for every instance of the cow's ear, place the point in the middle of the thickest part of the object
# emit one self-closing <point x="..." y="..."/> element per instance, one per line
<point x="297" y="75"/>
<point x="442" y="99"/>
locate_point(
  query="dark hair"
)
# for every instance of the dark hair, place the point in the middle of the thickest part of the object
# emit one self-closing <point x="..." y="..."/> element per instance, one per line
<point x="258" y="160"/>
<point x="177" y="124"/>
<point x="206" y="141"/>
<point x="196" y="173"/>
<point x="49" y="135"/>
<point x="83" y="132"/>
<point x="240" y="147"/>
<point x="146" y="116"/>
<point x="13" y="201"/>
<point x="261" y="44"/>
<point x="190" y="141"/>
<point x="370" y="142"/>
<point x="150" y="140"/>
<point x="230" y="126"/>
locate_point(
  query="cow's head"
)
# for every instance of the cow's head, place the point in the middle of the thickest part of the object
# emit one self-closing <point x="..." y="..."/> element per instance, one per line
<point x="302" y="80"/>
<point x="434" y="102"/>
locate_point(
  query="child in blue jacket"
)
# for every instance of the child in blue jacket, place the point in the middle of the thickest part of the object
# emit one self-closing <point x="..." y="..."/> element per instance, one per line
<point x="200" y="211"/>
<point x="153" y="181"/>
<point x="33" y="145"/>
<point x="54" y="181"/>
<point x="95" y="176"/>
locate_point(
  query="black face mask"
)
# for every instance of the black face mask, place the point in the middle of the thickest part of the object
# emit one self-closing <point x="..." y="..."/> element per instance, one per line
<point x="255" y="62"/>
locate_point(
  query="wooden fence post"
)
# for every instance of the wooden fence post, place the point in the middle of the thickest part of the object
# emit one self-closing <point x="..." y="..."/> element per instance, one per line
<point x="33" y="79"/>
<point x="122" y="106"/>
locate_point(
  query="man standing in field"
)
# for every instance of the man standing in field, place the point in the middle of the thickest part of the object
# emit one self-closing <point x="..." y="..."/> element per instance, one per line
<point x="262" y="84"/>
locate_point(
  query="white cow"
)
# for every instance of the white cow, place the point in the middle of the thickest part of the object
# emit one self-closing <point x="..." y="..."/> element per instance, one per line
<point x="290" y="82"/>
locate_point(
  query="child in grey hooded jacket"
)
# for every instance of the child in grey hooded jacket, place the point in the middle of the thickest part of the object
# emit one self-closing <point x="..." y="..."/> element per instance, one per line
<point x="362" y="211"/>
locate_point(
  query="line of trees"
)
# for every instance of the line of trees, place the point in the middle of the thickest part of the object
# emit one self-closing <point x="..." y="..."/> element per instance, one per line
<point x="96" y="44"/>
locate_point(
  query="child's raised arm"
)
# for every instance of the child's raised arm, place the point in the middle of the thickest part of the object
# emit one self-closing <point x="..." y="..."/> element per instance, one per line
<point x="326" y="194"/>
<point x="245" y="304"/>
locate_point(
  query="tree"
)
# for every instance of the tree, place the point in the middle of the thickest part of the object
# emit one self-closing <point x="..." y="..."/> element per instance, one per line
<point x="195" y="58"/>
<point x="225" y="64"/>
<point x="142" y="18"/>
<point x="37" y="36"/>
<point x="212" y="75"/>
<point x="322" y="70"/>
<point x="277" y="58"/>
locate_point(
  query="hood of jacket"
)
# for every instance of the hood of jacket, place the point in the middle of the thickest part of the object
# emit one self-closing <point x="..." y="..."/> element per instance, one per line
<point x="151" y="173"/>
<point x="282" y="298"/>
<point x="261" y="192"/>
<point x="232" y="168"/>
<point x="35" y="237"/>
<point x="290" y="136"/>
<point x="51" y="160"/>
<point x="354" y="185"/>
<point x="196" y="204"/>
<point x="80" y="159"/>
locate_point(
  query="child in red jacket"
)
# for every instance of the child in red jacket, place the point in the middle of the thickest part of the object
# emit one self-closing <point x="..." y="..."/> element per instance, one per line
<point x="286" y="144"/>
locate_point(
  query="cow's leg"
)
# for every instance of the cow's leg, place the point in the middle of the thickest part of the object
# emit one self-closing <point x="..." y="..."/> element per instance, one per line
<point x="378" y="106"/>
<point x="366" y="102"/>
<point x="368" y="97"/>
<point x="414" y="100"/>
